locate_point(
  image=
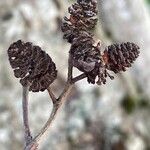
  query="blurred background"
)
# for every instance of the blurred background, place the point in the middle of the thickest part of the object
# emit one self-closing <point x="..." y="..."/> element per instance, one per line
<point x="115" y="116"/>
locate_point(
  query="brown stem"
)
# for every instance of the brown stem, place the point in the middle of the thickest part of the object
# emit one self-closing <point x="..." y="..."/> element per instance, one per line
<point x="32" y="146"/>
<point x="78" y="78"/>
<point x="51" y="94"/>
<point x="65" y="92"/>
<point x="70" y="68"/>
<point x="55" y="109"/>
<point x="28" y="136"/>
<point x="48" y="123"/>
<point x="56" y="104"/>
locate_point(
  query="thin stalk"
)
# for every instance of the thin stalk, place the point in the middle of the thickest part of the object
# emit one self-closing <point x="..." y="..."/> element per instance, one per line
<point x="51" y="94"/>
<point x="28" y="137"/>
<point x="78" y="78"/>
<point x="48" y="123"/>
<point x="70" y="69"/>
<point x="56" y="107"/>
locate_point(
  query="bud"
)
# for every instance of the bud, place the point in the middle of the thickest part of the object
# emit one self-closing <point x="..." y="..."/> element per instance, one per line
<point x="32" y="65"/>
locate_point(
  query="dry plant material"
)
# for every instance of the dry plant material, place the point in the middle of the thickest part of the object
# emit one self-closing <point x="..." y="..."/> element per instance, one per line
<point x="32" y="65"/>
<point x="118" y="57"/>
<point x="37" y="71"/>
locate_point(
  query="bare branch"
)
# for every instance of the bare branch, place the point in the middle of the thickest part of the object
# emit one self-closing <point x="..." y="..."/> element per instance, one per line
<point x="56" y="105"/>
<point x="48" y="123"/>
<point x="32" y="146"/>
<point x="78" y="78"/>
<point x="28" y="136"/>
<point x="51" y="94"/>
<point x="55" y="109"/>
<point x="70" y="68"/>
<point x="65" y="92"/>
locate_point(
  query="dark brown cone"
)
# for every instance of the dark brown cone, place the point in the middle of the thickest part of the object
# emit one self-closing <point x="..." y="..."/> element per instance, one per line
<point x="83" y="17"/>
<point x="118" y="57"/>
<point x="84" y="55"/>
<point x="32" y="65"/>
<point x="87" y="58"/>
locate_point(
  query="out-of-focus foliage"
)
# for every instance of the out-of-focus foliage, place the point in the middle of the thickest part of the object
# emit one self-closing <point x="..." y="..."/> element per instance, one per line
<point x="148" y="1"/>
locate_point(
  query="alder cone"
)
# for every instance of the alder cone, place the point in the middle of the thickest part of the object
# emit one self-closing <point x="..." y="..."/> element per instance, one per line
<point x="83" y="17"/>
<point x="32" y="65"/>
<point x="84" y="55"/>
<point x="118" y="57"/>
<point x="84" y="14"/>
<point x="87" y="58"/>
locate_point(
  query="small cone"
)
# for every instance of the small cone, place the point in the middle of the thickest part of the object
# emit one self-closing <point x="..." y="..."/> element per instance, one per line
<point x="32" y="65"/>
<point x="118" y="57"/>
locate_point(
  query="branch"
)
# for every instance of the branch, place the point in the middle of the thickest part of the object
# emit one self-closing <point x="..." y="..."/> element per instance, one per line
<point x="51" y="94"/>
<point x="78" y="78"/>
<point x="33" y="144"/>
<point x="28" y="136"/>
<point x="65" y="92"/>
<point x="70" y="68"/>
<point x="48" y="123"/>
<point x="55" y="109"/>
<point x="56" y="104"/>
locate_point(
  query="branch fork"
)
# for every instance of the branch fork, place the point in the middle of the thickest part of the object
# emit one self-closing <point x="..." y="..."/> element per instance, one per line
<point x="30" y="142"/>
<point x="37" y="71"/>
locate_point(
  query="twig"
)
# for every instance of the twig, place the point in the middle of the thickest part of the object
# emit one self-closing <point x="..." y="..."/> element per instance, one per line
<point x="32" y="144"/>
<point x="70" y="68"/>
<point x="48" y="123"/>
<point x="57" y="102"/>
<point x="65" y="92"/>
<point x="78" y="78"/>
<point x="56" y="105"/>
<point x="55" y="109"/>
<point x="28" y="136"/>
<point x="51" y="94"/>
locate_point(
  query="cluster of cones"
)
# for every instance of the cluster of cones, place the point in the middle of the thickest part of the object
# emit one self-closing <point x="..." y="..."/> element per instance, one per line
<point x="85" y="54"/>
<point x="37" y="70"/>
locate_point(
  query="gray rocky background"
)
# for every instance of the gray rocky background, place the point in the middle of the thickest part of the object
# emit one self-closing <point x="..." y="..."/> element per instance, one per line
<point x="111" y="117"/>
